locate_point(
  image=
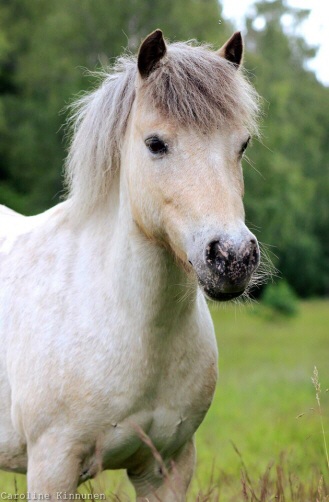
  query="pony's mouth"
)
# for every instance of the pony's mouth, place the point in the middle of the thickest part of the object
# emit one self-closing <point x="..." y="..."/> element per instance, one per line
<point x="219" y="296"/>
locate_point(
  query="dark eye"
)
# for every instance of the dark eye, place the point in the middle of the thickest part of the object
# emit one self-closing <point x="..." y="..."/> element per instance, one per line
<point x="156" y="145"/>
<point x="244" y="146"/>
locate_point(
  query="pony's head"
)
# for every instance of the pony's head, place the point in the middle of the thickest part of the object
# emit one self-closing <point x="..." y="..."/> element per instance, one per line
<point x="189" y="127"/>
<point x="177" y="121"/>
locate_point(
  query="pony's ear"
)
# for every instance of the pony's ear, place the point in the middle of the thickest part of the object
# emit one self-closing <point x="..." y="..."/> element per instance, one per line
<point x="232" y="50"/>
<point x="151" y="52"/>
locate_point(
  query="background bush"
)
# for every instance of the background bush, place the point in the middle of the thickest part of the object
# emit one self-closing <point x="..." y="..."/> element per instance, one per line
<point x="281" y="298"/>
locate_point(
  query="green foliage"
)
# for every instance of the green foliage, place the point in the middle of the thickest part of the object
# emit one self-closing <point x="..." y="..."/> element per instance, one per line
<point x="289" y="201"/>
<point x="281" y="298"/>
<point x="45" y="47"/>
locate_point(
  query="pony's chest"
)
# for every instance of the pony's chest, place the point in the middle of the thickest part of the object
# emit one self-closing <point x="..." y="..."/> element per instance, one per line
<point x="139" y="440"/>
<point x="141" y="435"/>
<point x="164" y="423"/>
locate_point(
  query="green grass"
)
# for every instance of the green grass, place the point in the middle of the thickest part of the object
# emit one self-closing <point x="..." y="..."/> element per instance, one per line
<point x="265" y="402"/>
<point x="265" y="383"/>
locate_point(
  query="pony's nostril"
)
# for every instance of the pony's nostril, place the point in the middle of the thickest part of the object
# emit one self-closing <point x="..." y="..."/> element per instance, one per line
<point x="217" y="258"/>
<point x="212" y="252"/>
<point x="254" y="252"/>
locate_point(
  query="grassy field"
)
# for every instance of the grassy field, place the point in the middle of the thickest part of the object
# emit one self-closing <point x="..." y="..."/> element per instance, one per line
<point x="265" y="405"/>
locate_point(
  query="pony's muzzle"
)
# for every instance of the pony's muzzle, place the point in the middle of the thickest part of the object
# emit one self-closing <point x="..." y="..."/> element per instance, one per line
<point x="227" y="266"/>
<point x="231" y="266"/>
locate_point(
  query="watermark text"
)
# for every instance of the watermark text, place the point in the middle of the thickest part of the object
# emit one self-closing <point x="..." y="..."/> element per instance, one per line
<point x="47" y="496"/>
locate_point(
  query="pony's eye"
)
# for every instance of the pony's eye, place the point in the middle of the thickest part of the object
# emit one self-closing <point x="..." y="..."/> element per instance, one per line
<point x="244" y="146"/>
<point x="156" y="145"/>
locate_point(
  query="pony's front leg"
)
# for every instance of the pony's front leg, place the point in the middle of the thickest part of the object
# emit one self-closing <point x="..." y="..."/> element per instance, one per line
<point x="53" y="468"/>
<point x="174" y="485"/>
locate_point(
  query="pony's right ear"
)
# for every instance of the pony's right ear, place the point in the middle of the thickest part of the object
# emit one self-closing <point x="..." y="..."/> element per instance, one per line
<point x="151" y="52"/>
<point x="233" y="49"/>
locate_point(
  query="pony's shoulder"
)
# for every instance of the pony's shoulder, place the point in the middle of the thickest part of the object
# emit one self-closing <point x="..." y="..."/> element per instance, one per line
<point x="6" y="211"/>
<point x="16" y="228"/>
<point x="11" y="223"/>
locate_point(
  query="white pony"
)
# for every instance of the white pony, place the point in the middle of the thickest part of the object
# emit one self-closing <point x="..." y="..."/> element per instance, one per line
<point x="105" y="334"/>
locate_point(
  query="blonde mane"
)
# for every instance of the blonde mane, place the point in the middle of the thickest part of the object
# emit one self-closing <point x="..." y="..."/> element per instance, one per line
<point x="192" y="85"/>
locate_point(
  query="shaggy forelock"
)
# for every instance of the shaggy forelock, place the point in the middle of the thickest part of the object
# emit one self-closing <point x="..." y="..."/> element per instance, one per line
<point x="196" y="87"/>
<point x="193" y="86"/>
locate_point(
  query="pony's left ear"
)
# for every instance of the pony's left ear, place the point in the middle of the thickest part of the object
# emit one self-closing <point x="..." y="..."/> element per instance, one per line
<point x="151" y="52"/>
<point x="232" y="50"/>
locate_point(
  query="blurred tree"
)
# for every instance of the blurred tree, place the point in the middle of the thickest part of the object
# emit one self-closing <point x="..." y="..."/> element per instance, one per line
<point x="289" y="201"/>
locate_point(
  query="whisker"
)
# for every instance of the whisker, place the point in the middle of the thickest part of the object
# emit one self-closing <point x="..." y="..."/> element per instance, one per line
<point x="251" y="164"/>
<point x="189" y="292"/>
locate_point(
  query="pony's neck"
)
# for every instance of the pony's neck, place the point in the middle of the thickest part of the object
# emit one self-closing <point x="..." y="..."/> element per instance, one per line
<point x="143" y="274"/>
